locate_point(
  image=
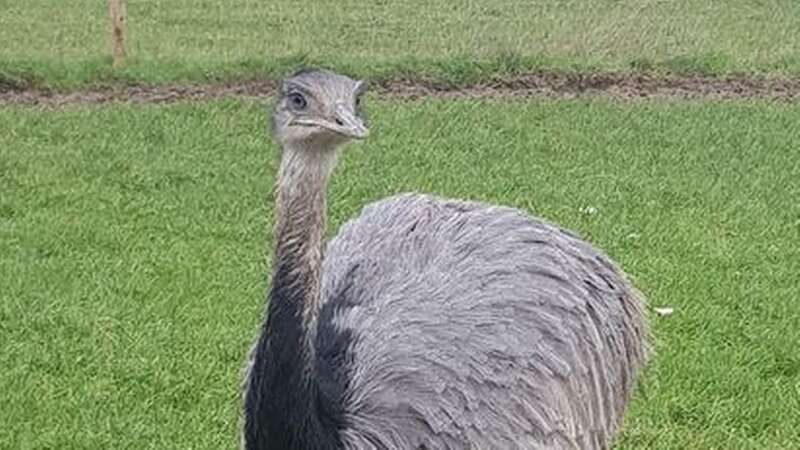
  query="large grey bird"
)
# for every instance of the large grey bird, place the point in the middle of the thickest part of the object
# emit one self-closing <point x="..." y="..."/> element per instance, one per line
<point x="428" y="323"/>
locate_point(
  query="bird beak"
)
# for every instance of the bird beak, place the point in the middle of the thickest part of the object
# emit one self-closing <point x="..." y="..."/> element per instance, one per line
<point x="342" y="121"/>
<point x="346" y="123"/>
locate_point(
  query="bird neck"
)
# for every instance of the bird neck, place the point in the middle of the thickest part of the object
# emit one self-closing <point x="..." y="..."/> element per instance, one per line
<point x="282" y="394"/>
<point x="297" y="269"/>
<point x="300" y="217"/>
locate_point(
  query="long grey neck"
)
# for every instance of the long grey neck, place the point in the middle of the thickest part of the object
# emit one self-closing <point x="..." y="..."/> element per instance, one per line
<point x="287" y="351"/>
<point x="282" y="396"/>
<point x="300" y="232"/>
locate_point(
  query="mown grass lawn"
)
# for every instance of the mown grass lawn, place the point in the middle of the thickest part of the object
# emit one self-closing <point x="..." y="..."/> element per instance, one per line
<point x="67" y="43"/>
<point x="133" y="248"/>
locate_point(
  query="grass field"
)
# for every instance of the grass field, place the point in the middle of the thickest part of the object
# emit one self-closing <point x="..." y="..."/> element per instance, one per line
<point x="133" y="248"/>
<point x="134" y="239"/>
<point x="179" y="40"/>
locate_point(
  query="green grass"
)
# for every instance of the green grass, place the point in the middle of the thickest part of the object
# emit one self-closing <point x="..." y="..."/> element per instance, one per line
<point x="133" y="253"/>
<point x="178" y="40"/>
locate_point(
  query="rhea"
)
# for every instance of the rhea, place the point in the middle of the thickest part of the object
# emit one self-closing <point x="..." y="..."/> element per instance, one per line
<point x="428" y="323"/>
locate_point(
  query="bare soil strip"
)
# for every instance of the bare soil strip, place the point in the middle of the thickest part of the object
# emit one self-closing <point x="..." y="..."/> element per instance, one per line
<point x="622" y="86"/>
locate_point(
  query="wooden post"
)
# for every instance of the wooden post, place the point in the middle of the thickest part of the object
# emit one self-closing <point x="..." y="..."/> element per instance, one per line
<point x="116" y="12"/>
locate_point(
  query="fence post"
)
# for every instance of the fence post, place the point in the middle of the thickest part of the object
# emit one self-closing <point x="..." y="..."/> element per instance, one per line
<point x="116" y="12"/>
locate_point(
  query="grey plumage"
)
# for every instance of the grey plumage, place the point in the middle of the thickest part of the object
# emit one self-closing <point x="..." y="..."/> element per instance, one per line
<point x="433" y="323"/>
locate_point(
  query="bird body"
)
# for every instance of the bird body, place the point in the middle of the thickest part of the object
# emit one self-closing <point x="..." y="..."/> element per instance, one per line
<point x="475" y="326"/>
<point x="429" y="323"/>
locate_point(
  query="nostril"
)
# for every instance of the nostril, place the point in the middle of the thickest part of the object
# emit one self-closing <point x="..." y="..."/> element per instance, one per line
<point x="339" y="122"/>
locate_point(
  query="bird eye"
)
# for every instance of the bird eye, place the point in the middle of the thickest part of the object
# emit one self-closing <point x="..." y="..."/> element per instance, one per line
<point x="297" y="100"/>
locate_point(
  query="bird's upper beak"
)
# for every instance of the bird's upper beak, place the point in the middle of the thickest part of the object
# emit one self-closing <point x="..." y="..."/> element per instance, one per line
<point x="345" y="122"/>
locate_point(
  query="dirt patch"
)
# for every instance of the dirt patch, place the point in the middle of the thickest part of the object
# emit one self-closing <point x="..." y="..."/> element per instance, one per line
<point x="616" y="85"/>
<point x="624" y="86"/>
<point x="142" y="94"/>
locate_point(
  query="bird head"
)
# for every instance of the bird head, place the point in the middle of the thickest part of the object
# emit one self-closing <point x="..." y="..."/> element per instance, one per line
<point x="317" y="109"/>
